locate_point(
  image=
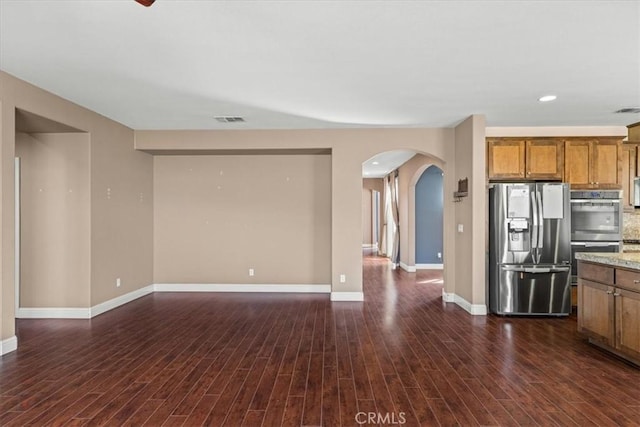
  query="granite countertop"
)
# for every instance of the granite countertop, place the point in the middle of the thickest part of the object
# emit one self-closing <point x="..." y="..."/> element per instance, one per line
<point x="615" y="259"/>
<point x="628" y="247"/>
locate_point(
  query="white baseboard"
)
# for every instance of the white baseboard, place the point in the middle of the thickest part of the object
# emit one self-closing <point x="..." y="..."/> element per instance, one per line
<point x="220" y="287"/>
<point x="53" y="313"/>
<point x="121" y="300"/>
<point x="8" y="345"/>
<point x="88" y="313"/>
<point x="347" y="296"/>
<point x="429" y="266"/>
<point x="369" y="246"/>
<point x="408" y="268"/>
<point x="81" y="313"/>
<point x="474" y="309"/>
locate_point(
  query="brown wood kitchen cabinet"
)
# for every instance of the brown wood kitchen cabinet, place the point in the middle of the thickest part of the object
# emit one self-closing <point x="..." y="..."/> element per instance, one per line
<point x="629" y="170"/>
<point x="534" y="159"/>
<point x="593" y="163"/>
<point x="505" y="158"/>
<point x="609" y="308"/>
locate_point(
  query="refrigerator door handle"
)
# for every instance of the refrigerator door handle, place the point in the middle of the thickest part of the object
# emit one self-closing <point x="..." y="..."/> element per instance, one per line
<point x="534" y="231"/>
<point x="540" y="220"/>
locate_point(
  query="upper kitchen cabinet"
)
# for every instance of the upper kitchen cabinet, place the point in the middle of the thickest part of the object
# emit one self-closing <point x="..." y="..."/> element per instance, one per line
<point x="544" y="159"/>
<point x="593" y="163"/>
<point x="520" y="159"/>
<point x="634" y="132"/>
<point x="629" y="170"/>
<point x="505" y="158"/>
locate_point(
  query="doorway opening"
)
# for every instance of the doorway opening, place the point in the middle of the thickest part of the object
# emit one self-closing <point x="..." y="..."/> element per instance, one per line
<point x="397" y="198"/>
<point x="52" y="215"/>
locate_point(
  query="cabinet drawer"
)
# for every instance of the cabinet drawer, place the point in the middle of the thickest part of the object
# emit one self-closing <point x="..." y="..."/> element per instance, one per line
<point x="597" y="273"/>
<point x="628" y="279"/>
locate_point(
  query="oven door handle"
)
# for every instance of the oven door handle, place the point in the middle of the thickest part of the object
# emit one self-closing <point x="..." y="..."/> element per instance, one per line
<point x="595" y="244"/>
<point x="596" y="201"/>
<point x="537" y="270"/>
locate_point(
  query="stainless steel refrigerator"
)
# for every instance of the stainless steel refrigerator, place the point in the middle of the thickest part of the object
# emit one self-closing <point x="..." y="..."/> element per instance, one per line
<point x="529" y="249"/>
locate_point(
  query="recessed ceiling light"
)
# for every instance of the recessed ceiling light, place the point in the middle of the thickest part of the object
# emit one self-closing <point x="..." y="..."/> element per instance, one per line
<point x="547" y="98"/>
<point x="632" y="110"/>
<point x="229" y="119"/>
<point x="375" y="163"/>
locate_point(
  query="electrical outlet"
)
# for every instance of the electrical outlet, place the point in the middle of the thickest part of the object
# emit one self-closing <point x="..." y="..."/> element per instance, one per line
<point x="343" y="278"/>
<point x="118" y="282"/>
<point x="251" y="272"/>
<point x="460" y="228"/>
<point x="439" y="255"/>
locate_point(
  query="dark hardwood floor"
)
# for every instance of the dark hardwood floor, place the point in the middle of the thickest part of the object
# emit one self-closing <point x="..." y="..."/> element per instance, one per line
<point x="403" y="357"/>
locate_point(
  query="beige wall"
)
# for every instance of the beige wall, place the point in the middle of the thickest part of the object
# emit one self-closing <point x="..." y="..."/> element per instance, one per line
<point x="217" y="216"/>
<point x="376" y="184"/>
<point x="121" y="213"/>
<point x="367" y="217"/>
<point x="121" y="225"/>
<point x="55" y="229"/>
<point x="349" y="149"/>
<point x="369" y="185"/>
<point x="470" y="212"/>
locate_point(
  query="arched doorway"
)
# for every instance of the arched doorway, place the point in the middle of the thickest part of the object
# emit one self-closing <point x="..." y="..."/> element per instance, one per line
<point x="396" y="186"/>
<point x="428" y="195"/>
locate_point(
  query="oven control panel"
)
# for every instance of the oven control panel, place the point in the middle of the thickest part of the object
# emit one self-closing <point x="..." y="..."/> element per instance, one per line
<point x="598" y="194"/>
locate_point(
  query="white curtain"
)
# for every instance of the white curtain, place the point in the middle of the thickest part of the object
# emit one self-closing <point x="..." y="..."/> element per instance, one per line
<point x="395" y="249"/>
<point x="386" y="220"/>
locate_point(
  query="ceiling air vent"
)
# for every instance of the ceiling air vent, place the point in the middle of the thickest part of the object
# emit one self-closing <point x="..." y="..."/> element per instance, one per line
<point x="229" y="119"/>
<point x="632" y="110"/>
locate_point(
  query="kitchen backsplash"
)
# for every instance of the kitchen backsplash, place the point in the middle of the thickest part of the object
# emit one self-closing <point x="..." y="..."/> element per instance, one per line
<point x="631" y="225"/>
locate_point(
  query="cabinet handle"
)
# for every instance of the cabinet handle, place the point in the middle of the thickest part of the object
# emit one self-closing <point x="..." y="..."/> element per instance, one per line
<point x="636" y="281"/>
<point x="616" y="294"/>
<point x="609" y="292"/>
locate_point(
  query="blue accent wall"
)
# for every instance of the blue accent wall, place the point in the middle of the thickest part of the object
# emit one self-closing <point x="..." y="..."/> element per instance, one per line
<point x="429" y="196"/>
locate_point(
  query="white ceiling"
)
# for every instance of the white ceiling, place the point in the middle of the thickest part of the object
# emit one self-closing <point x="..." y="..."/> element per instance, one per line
<point x="330" y="64"/>
<point x="382" y="164"/>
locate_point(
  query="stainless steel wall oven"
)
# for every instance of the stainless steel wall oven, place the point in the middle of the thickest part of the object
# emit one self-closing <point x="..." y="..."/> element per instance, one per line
<point x="596" y="223"/>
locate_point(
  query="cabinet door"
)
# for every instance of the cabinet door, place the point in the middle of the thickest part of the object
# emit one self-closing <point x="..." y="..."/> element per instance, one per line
<point x="604" y="164"/>
<point x="628" y="322"/>
<point x="577" y="156"/>
<point x="595" y="311"/>
<point x="545" y="159"/>
<point x="506" y="159"/>
<point x="628" y="154"/>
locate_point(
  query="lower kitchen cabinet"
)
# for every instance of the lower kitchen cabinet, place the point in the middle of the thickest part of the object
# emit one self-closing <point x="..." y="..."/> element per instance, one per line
<point x="595" y="311"/>
<point x="609" y="308"/>
<point x="628" y="322"/>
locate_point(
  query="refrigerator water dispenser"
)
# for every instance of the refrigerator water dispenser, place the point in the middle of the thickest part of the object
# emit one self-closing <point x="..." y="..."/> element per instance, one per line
<point x="519" y="239"/>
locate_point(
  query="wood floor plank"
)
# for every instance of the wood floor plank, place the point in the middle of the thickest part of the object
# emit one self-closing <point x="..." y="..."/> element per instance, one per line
<point x="421" y="408"/>
<point x="277" y="401"/>
<point x="201" y="411"/>
<point x="301" y="359"/>
<point x="313" y="405"/>
<point x="253" y="419"/>
<point x="293" y="411"/>
<point x="143" y="412"/>
<point x="348" y="400"/>
<point x="330" y="397"/>
<point x="238" y="410"/>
